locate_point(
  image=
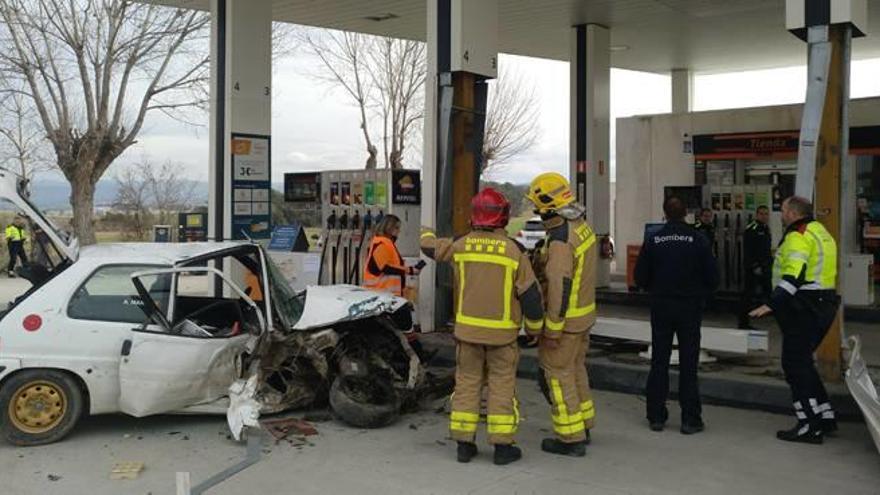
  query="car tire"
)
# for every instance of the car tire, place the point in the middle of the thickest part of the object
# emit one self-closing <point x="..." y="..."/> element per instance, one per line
<point x="39" y="407"/>
<point x="352" y="407"/>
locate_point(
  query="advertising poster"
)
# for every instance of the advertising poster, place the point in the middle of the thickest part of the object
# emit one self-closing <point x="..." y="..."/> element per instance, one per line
<point x="762" y="199"/>
<point x="251" y="186"/>
<point x="750" y="201"/>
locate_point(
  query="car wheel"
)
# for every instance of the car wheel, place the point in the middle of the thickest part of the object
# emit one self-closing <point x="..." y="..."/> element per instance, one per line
<point x="364" y="403"/>
<point x="39" y="407"/>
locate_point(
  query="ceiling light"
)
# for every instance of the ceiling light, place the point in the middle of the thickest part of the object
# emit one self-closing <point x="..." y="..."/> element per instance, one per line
<point x="619" y="48"/>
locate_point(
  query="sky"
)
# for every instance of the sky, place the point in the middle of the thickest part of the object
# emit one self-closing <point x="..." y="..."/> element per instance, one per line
<point x="314" y="127"/>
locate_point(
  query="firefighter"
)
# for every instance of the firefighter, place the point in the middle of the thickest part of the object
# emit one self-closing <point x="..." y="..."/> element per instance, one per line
<point x="384" y="270"/>
<point x="495" y="292"/>
<point x="757" y="262"/>
<point x="677" y="267"/>
<point x="805" y="304"/>
<point x="15" y="239"/>
<point x="566" y="266"/>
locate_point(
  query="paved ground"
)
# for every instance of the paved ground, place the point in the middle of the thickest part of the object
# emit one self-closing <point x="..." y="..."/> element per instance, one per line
<point x="737" y="454"/>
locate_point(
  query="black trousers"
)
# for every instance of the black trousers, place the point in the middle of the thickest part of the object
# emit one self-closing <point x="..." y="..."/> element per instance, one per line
<point x="756" y="291"/>
<point x="16" y="249"/>
<point x="671" y="317"/>
<point x="805" y="320"/>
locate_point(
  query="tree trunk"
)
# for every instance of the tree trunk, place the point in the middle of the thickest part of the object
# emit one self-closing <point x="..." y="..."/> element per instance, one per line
<point x="371" y="159"/>
<point x="82" y="200"/>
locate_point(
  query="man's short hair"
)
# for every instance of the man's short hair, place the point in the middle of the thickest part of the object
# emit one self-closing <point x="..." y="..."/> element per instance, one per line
<point x="674" y="208"/>
<point x="704" y="210"/>
<point x="801" y="206"/>
<point x="762" y="207"/>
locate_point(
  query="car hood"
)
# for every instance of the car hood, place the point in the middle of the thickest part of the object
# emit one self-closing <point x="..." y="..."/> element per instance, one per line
<point x="328" y="305"/>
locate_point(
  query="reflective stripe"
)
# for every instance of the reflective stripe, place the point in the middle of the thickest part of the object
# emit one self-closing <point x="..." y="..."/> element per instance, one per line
<point x="554" y="326"/>
<point x="812" y="286"/>
<point x="534" y="325"/>
<point x="800" y="415"/>
<point x="578" y="312"/>
<point x="787" y="287"/>
<point x="427" y="234"/>
<point x="828" y="415"/>
<point x="820" y="257"/>
<point x="563" y="422"/>
<point x="463" y="421"/>
<point x="574" y="311"/>
<point x="823" y="407"/>
<point x="501" y="424"/>
<point x="799" y="256"/>
<point x="505" y="323"/>
<point x="587" y="409"/>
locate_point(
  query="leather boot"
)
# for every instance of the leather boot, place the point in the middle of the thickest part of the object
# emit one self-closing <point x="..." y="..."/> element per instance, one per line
<point x="505" y="454"/>
<point x="556" y="446"/>
<point x="466" y="451"/>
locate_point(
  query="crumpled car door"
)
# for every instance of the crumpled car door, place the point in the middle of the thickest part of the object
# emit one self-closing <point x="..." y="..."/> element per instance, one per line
<point x="862" y="388"/>
<point x="162" y="371"/>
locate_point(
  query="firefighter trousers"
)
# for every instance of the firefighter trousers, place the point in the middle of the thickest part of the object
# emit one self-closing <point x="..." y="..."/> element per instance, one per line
<point x="494" y="366"/>
<point x="565" y="372"/>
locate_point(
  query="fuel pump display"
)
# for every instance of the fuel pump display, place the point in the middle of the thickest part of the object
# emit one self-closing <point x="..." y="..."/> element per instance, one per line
<point x="350" y="203"/>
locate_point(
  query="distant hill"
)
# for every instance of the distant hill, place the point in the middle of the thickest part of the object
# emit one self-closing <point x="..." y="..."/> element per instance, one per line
<point x="54" y="194"/>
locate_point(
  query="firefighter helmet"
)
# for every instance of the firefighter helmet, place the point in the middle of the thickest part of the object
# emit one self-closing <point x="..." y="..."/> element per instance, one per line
<point x="550" y="191"/>
<point x="490" y="208"/>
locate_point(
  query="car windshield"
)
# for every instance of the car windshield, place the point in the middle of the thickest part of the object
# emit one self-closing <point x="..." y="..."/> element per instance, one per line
<point x="533" y="226"/>
<point x="288" y="303"/>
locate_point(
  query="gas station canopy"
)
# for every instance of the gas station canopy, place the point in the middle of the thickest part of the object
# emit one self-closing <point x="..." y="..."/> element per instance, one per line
<point x="647" y="35"/>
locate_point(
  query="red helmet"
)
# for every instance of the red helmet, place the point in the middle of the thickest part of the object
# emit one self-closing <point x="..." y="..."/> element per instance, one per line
<point x="490" y="208"/>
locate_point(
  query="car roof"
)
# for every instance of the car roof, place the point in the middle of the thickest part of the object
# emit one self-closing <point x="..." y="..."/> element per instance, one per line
<point x="153" y="252"/>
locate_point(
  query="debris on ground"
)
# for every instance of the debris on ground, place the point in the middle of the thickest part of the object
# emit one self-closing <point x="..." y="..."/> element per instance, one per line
<point x="53" y="477"/>
<point x="174" y="433"/>
<point x="318" y="416"/>
<point x="281" y="428"/>
<point x="126" y="470"/>
<point x="413" y="426"/>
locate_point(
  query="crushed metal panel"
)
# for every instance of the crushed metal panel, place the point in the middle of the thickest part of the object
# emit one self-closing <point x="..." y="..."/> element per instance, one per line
<point x="166" y="373"/>
<point x="863" y="390"/>
<point x="244" y="409"/>
<point x="332" y="304"/>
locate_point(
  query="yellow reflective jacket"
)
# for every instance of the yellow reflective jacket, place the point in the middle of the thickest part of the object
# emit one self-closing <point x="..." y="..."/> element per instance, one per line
<point x="805" y="260"/>
<point x="15" y="233"/>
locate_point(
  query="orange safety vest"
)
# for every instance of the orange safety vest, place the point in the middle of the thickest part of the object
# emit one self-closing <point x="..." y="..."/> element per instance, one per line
<point x="384" y="270"/>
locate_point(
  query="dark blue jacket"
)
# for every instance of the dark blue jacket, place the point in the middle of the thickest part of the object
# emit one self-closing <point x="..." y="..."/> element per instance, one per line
<point x="677" y="261"/>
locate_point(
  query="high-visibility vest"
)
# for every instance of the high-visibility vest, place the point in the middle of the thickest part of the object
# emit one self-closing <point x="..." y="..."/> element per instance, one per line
<point x="384" y="270"/>
<point x="807" y="254"/>
<point x="15" y="233"/>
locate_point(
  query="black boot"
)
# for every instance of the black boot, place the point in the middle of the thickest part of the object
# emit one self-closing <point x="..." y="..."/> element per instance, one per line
<point x="802" y="433"/>
<point x="692" y="426"/>
<point x="828" y="425"/>
<point x="466" y="451"/>
<point x="556" y="446"/>
<point x="505" y="454"/>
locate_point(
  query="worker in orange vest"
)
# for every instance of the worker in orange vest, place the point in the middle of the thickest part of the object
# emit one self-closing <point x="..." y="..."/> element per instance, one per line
<point x="385" y="270"/>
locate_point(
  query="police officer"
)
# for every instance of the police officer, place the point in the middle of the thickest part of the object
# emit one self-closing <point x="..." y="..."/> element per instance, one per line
<point x="15" y="239"/>
<point x="805" y="304"/>
<point x="705" y="224"/>
<point x="677" y="267"/>
<point x="566" y="266"/>
<point x="495" y="290"/>
<point x="757" y="261"/>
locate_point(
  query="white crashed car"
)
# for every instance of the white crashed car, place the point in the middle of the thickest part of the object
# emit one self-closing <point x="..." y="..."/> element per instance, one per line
<point x="157" y="328"/>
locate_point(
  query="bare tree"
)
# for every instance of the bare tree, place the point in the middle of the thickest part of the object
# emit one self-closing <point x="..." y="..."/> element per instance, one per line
<point x="384" y="77"/>
<point x="22" y="142"/>
<point x="398" y="70"/>
<point x="132" y="199"/>
<point x="169" y="191"/>
<point x="93" y="70"/>
<point x="511" y="120"/>
<point x="343" y="55"/>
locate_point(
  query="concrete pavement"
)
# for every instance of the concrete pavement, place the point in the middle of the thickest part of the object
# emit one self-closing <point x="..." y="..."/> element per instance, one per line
<point x="737" y="454"/>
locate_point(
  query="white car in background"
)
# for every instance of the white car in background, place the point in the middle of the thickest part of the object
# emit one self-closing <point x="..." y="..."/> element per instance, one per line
<point x="531" y="232"/>
<point x="157" y="328"/>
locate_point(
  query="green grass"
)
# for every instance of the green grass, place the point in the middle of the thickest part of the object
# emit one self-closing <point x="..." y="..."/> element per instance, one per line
<point x="516" y="224"/>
